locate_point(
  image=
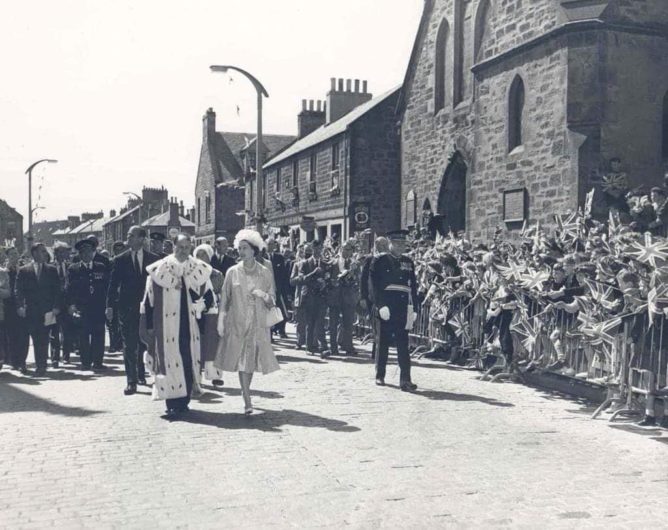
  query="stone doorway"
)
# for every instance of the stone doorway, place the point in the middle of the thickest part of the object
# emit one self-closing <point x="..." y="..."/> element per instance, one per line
<point x="452" y="195"/>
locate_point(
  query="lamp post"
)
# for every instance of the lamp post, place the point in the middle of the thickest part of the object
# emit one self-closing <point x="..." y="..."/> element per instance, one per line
<point x="30" y="208"/>
<point x="261" y="91"/>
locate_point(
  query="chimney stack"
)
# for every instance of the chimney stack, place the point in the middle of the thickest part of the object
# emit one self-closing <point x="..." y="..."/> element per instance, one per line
<point x="174" y="213"/>
<point x="344" y="97"/>
<point x="311" y="117"/>
<point x="182" y="210"/>
<point x="209" y="121"/>
<point x="112" y="213"/>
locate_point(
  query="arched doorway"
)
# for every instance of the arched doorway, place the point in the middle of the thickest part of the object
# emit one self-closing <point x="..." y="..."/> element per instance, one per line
<point x="452" y="195"/>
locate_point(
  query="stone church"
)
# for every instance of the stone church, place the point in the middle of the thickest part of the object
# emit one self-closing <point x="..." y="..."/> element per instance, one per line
<point x="512" y="110"/>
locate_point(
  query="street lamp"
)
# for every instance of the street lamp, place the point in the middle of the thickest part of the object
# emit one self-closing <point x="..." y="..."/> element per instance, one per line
<point x="261" y="91"/>
<point x="30" y="208"/>
<point x="141" y="201"/>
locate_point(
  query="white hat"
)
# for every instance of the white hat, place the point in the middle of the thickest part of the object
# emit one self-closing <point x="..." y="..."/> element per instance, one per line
<point x="252" y="237"/>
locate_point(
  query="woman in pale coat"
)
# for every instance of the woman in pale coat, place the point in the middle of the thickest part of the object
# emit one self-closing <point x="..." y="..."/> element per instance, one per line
<point x="247" y="296"/>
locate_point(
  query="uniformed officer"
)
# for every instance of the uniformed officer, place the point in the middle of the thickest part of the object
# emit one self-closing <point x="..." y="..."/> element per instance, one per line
<point x="158" y="244"/>
<point x="394" y="284"/>
<point x="86" y="299"/>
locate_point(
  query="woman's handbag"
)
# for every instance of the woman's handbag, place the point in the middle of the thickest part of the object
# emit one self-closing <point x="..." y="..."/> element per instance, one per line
<point x="274" y="316"/>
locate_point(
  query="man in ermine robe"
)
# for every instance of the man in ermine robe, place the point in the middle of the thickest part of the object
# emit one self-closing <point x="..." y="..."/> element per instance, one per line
<point x="170" y="310"/>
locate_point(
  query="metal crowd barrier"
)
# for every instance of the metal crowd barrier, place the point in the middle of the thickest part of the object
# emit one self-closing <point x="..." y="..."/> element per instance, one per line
<point x="631" y="359"/>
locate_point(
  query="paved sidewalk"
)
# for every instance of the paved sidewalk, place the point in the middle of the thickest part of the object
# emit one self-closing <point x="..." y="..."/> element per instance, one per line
<point x="327" y="449"/>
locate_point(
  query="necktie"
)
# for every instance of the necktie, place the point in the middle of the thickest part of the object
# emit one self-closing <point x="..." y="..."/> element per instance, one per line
<point x="39" y="272"/>
<point x="137" y="268"/>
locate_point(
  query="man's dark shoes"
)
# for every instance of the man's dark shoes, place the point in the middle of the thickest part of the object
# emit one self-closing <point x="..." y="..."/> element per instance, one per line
<point x="407" y="386"/>
<point x="99" y="367"/>
<point x="217" y="382"/>
<point x="380" y="382"/>
<point x="283" y="335"/>
<point x="85" y="366"/>
<point x="40" y="372"/>
<point x="54" y="364"/>
<point x="23" y="369"/>
<point x="664" y="422"/>
<point x="130" y="389"/>
<point x="142" y="381"/>
<point x="647" y="421"/>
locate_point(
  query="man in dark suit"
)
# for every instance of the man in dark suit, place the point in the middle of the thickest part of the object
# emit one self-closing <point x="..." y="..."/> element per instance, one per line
<point x="126" y="290"/>
<point x="18" y="339"/>
<point x="86" y="298"/>
<point x="114" y="327"/>
<point x="282" y="281"/>
<point x="100" y="258"/>
<point x="38" y="296"/>
<point x="62" y="334"/>
<point x="220" y="260"/>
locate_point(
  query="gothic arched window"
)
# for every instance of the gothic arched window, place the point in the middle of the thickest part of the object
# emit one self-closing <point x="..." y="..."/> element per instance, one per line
<point x="410" y="209"/>
<point x="515" y="113"/>
<point x="482" y="22"/>
<point x="440" y="65"/>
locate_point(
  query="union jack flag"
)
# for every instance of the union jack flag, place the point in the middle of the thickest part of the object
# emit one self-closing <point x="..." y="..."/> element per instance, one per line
<point x="600" y="332"/>
<point x="651" y="251"/>
<point x="461" y="326"/>
<point x="569" y="228"/>
<point x="513" y="271"/>
<point x="534" y="279"/>
<point x="528" y="330"/>
<point x="657" y="302"/>
<point x="601" y="293"/>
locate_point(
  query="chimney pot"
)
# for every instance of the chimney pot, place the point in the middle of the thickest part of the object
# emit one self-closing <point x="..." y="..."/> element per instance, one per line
<point x="333" y="81"/>
<point x="357" y="85"/>
<point x="310" y="104"/>
<point x="349" y="85"/>
<point x="303" y="104"/>
<point x="340" y="85"/>
<point x="364" y="87"/>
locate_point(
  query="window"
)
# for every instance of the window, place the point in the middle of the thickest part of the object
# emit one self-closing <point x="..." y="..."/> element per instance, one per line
<point x="199" y="211"/>
<point x="665" y="127"/>
<point x="463" y="53"/>
<point x="251" y="202"/>
<point x="295" y="173"/>
<point x="482" y="21"/>
<point x="410" y="209"/>
<point x="336" y="156"/>
<point x="313" y="167"/>
<point x="440" y="65"/>
<point x="278" y="180"/>
<point x="208" y="207"/>
<point x="515" y="113"/>
<point x="264" y="190"/>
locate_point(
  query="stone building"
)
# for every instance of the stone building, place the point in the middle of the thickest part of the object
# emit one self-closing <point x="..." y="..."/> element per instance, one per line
<point x="171" y="222"/>
<point x="11" y="226"/>
<point x="44" y="231"/>
<point x="342" y="175"/>
<point x="512" y="109"/>
<point x="153" y="201"/>
<point x="226" y="160"/>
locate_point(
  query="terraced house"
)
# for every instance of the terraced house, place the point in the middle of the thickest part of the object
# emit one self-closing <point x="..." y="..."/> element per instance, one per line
<point x="512" y="110"/>
<point x="341" y="175"/>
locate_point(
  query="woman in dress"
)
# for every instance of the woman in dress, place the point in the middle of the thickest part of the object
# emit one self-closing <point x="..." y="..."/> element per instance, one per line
<point x="247" y="296"/>
<point x="208" y="322"/>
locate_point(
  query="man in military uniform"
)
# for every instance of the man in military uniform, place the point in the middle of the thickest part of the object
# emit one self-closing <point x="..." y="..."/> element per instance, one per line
<point x="158" y="244"/>
<point x="381" y="246"/>
<point x="394" y="284"/>
<point x="62" y="333"/>
<point x="86" y="298"/>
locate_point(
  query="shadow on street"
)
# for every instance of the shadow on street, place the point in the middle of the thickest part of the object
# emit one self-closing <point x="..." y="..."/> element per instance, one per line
<point x="14" y="399"/>
<point x="264" y="420"/>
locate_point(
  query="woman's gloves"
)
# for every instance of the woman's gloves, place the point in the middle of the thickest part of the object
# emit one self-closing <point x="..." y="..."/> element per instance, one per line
<point x="384" y="313"/>
<point x="259" y="293"/>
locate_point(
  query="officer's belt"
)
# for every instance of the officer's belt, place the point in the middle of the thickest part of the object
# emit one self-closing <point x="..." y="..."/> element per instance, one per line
<point x="400" y="288"/>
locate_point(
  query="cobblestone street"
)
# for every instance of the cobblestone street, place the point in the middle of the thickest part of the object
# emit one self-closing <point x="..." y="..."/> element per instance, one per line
<point x="327" y="449"/>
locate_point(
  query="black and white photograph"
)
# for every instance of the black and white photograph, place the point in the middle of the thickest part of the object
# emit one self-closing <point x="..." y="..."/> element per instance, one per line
<point x="326" y="264"/>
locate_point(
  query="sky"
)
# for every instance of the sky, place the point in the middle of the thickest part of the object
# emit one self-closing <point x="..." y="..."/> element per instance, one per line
<point x="116" y="91"/>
